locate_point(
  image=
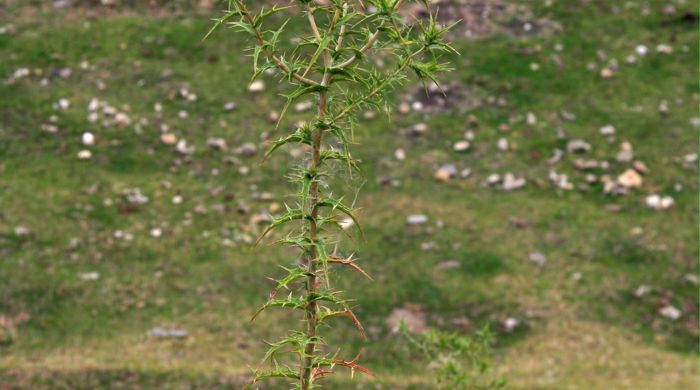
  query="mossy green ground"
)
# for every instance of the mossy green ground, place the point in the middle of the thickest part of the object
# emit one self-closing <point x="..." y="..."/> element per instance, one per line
<point x="576" y="334"/>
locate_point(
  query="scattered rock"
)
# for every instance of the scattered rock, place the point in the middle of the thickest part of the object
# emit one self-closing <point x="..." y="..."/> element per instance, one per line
<point x="230" y="106"/>
<point x="159" y="332"/>
<point x="642" y="291"/>
<point x="461" y="146"/>
<point x="538" y="258"/>
<point x="417" y="219"/>
<point x="658" y="202"/>
<point x="88" y="138"/>
<point x="670" y="312"/>
<point x="84" y="154"/>
<point x="448" y="264"/>
<point x="630" y="179"/>
<point x="560" y="180"/>
<point x="510" y="182"/>
<point x="510" y="324"/>
<point x="578" y="146"/>
<point x="411" y="315"/>
<point x="419" y="129"/>
<point x="183" y="147"/>
<point x="303" y="106"/>
<point x="256" y="86"/>
<point x="400" y="154"/>
<point x="625" y="154"/>
<point x="557" y="154"/>
<point x="21" y="231"/>
<point x="445" y="173"/>
<point x="134" y="196"/>
<point x="168" y="138"/>
<point x="502" y="144"/>
<point x="248" y="149"/>
<point x="217" y="143"/>
<point x="640" y="167"/>
<point x="607" y="130"/>
<point x="87" y="276"/>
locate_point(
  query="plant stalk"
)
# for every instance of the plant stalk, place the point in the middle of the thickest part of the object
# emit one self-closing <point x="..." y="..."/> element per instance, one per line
<point x="312" y="308"/>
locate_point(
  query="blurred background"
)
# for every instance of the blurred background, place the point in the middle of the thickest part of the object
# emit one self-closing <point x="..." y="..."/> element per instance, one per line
<point x="550" y="194"/>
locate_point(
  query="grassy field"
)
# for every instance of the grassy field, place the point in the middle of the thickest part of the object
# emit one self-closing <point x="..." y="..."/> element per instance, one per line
<point x="84" y="273"/>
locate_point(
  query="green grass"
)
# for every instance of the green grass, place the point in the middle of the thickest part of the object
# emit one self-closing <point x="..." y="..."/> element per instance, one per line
<point x="591" y="333"/>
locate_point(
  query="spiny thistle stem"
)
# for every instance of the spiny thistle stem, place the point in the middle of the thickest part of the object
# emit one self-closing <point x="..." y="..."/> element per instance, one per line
<point x="334" y="52"/>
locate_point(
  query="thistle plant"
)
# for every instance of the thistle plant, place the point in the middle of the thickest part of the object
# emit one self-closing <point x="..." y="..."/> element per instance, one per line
<point x="336" y="63"/>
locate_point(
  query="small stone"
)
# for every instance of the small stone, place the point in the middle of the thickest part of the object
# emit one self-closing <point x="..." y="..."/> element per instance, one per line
<point x="168" y="138"/>
<point x="641" y="50"/>
<point x="658" y="202"/>
<point x="538" y="258"/>
<point x="531" y="119"/>
<point x="230" y="106"/>
<point x="510" y="324"/>
<point x="691" y="278"/>
<point x="217" y="143"/>
<point x="404" y="108"/>
<point x="400" y="154"/>
<point x="417" y="106"/>
<point x="670" y="312"/>
<point x="448" y="264"/>
<point x="303" y="106"/>
<point x="417" y="219"/>
<point x="664" y="48"/>
<point x="630" y="179"/>
<point x="122" y="119"/>
<point x="419" y="129"/>
<point x="461" y="146"/>
<point x="502" y="144"/>
<point x="626" y="154"/>
<point x="445" y="173"/>
<point x="560" y="180"/>
<point x="606" y="73"/>
<point x="248" y="149"/>
<point x="411" y="316"/>
<point x="642" y="291"/>
<point x="63" y="104"/>
<point x="465" y="173"/>
<point x="183" y="147"/>
<point x="88" y="138"/>
<point x="510" y="182"/>
<point x="159" y="332"/>
<point x="156" y="232"/>
<point x="21" y="231"/>
<point x="578" y="146"/>
<point x="493" y="179"/>
<point x="256" y="86"/>
<point x="177" y="199"/>
<point x="84" y="154"/>
<point x="557" y="155"/>
<point x="134" y="196"/>
<point x="89" y="276"/>
<point x="607" y="130"/>
<point x="640" y="167"/>
<point x="442" y="175"/>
